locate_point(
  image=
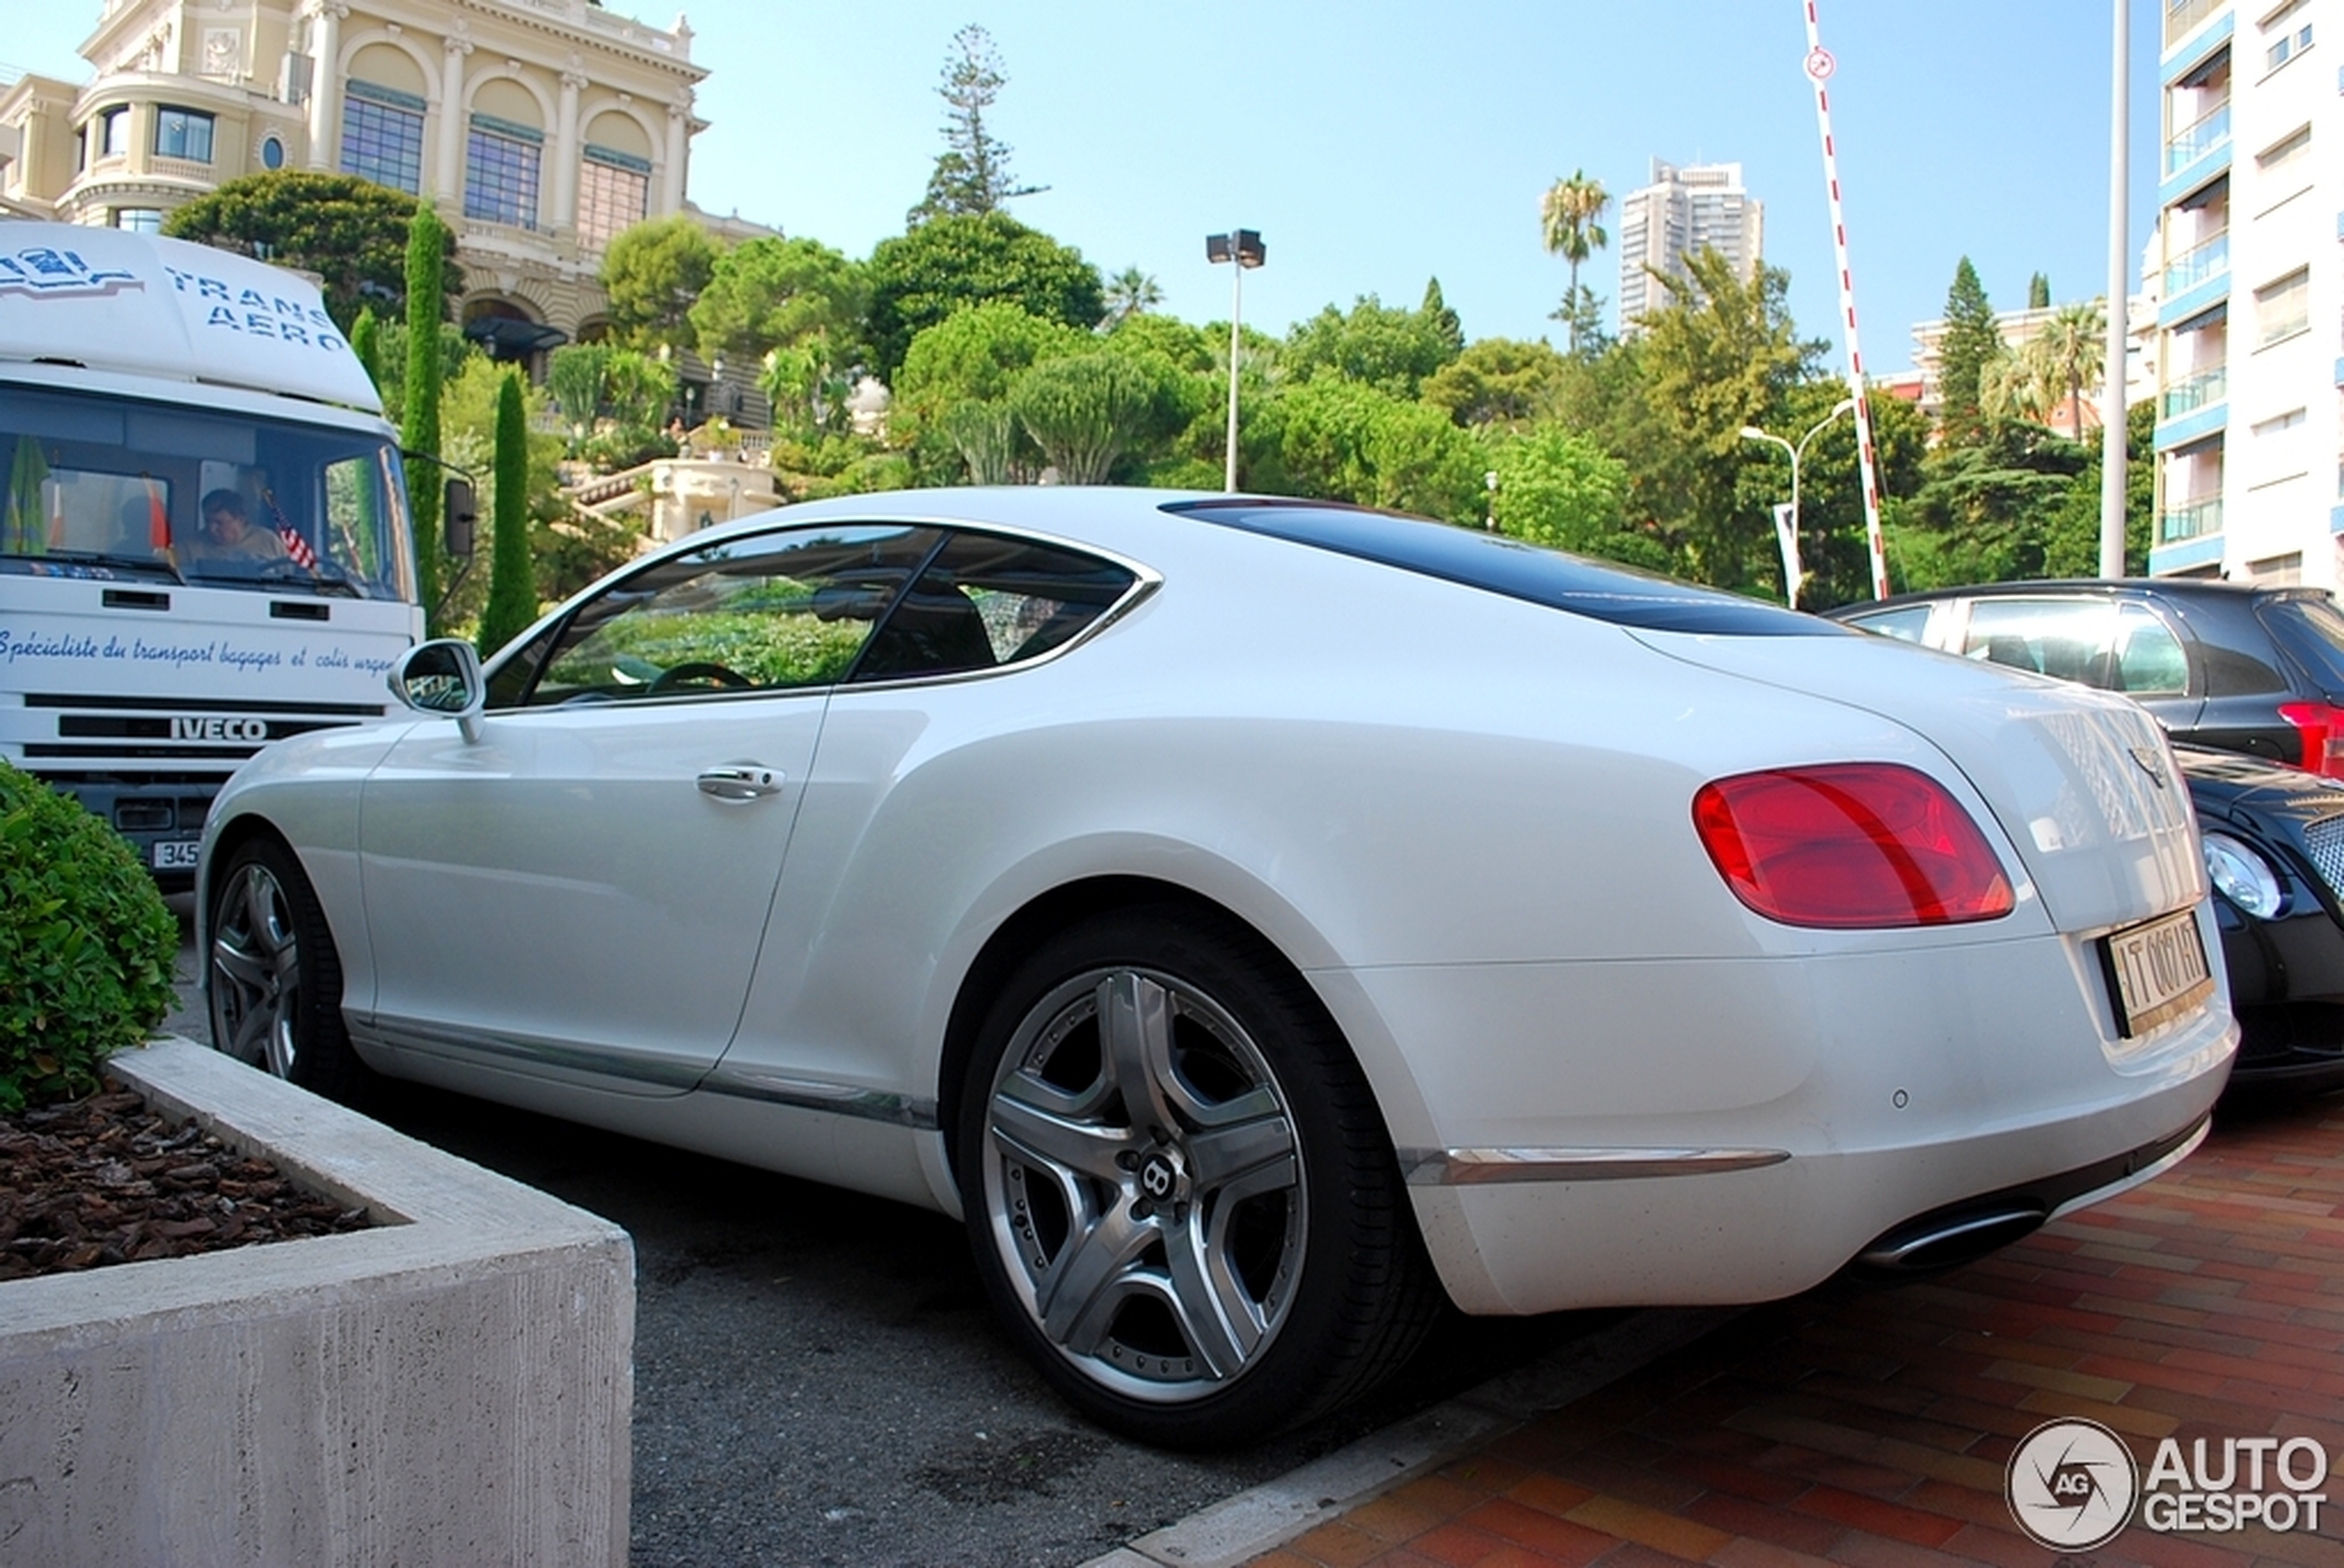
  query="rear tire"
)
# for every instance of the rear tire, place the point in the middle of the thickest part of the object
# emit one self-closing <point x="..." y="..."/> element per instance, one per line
<point x="1181" y="1193"/>
<point x="274" y="979"/>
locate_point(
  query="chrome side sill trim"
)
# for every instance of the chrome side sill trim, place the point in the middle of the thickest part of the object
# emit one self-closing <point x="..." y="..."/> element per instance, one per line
<point x="1473" y="1167"/>
<point x="811" y="1093"/>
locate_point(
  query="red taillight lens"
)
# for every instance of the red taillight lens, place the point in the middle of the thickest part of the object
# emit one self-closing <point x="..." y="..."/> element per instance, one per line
<point x="1852" y="845"/>
<point x="2321" y="729"/>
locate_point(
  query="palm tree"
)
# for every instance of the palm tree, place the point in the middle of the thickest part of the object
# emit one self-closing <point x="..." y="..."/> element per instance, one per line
<point x="2065" y="353"/>
<point x="1130" y="293"/>
<point x="1570" y="219"/>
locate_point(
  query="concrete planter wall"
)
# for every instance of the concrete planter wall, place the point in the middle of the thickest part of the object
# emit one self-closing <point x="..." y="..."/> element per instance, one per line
<point x="451" y="1387"/>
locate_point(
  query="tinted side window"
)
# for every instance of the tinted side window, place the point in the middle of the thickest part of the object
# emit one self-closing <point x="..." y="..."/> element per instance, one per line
<point x="2069" y="638"/>
<point x="2311" y="629"/>
<point x="1907" y="625"/>
<point x="2150" y="659"/>
<point x="986" y="600"/>
<point x="771" y="611"/>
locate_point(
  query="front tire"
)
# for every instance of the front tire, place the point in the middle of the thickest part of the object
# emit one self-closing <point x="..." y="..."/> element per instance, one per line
<point x="275" y="979"/>
<point x="1181" y="1195"/>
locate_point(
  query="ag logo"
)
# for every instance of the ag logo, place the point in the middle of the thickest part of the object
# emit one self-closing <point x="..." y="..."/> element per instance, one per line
<point x="2070" y="1485"/>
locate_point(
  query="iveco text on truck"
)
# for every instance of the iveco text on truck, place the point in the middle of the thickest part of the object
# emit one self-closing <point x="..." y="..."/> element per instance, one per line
<point x="204" y="538"/>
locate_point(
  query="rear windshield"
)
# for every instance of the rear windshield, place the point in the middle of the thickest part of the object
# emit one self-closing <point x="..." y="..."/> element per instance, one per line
<point x="2311" y="627"/>
<point x="1600" y="590"/>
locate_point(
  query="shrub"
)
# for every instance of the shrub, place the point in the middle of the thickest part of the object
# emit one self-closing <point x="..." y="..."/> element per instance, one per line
<point x="86" y="945"/>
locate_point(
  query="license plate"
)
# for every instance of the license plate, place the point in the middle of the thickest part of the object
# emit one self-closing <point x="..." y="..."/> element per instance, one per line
<point x="2160" y="972"/>
<point x="176" y="854"/>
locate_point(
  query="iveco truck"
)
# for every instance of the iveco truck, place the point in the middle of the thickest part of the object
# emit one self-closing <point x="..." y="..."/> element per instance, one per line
<point x="150" y="387"/>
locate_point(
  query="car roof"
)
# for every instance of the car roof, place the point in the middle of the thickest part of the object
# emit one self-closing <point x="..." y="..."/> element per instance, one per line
<point x="2203" y="588"/>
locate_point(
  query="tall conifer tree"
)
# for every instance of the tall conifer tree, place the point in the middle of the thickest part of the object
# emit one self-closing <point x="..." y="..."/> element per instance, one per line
<point x="419" y="432"/>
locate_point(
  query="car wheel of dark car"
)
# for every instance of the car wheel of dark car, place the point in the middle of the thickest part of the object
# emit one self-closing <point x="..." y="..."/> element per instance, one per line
<point x="1181" y="1197"/>
<point x="276" y="981"/>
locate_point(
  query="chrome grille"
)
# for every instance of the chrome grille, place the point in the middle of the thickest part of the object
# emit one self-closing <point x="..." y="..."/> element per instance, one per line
<point x="2323" y="840"/>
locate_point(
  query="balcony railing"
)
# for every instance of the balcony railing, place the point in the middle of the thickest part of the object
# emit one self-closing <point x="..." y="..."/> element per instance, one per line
<point x="2208" y="259"/>
<point x="2194" y="520"/>
<point x="2205" y="387"/>
<point x="2183" y="14"/>
<point x="2193" y="142"/>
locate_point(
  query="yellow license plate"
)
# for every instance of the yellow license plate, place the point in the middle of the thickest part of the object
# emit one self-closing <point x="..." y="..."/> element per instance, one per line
<point x="2160" y="972"/>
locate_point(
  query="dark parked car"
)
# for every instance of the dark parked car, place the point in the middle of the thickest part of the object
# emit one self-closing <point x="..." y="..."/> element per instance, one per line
<point x="2251" y="678"/>
<point x="2226" y="664"/>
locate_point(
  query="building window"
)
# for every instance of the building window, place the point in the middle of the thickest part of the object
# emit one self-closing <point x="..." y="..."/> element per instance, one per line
<point x="382" y="136"/>
<point x="614" y="195"/>
<point x="2289" y="32"/>
<point x="2284" y="308"/>
<point x="2287" y="149"/>
<point x="501" y="171"/>
<point x="139" y="220"/>
<point x="183" y="133"/>
<point x="272" y="153"/>
<point x="114" y="132"/>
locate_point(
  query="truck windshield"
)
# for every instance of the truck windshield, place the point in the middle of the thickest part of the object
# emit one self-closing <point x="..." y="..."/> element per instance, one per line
<point x="109" y="487"/>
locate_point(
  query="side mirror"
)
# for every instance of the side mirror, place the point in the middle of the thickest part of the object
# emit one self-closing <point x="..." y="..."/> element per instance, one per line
<point x="442" y="678"/>
<point x="458" y="518"/>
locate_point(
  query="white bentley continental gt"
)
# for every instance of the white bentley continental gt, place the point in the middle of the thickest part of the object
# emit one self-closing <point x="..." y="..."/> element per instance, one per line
<point x="1256" y="919"/>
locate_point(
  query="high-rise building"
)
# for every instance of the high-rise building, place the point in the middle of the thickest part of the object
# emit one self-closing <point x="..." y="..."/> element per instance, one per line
<point x="2250" y="461"/>
<point x="1680" y="213"/>
<point x="540" y="127"/>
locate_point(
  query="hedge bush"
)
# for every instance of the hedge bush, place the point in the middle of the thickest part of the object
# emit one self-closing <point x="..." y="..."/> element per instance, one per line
<point x="86" y="945"/>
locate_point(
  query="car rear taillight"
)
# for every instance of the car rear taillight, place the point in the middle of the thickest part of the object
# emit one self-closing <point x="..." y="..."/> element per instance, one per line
<point x="2321" y="729"/>
<point x="1850" y="844"/>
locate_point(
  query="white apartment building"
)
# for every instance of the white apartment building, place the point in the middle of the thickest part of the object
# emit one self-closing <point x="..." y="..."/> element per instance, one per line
<point x="1682" y="212"/>
<point x="541" y="128"/>
<point x="2250" y="408"/>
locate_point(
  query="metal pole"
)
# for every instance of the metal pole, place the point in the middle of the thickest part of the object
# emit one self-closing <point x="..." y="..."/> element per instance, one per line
<point x="2113" y="423"/>
<point x="1237" y="307"/>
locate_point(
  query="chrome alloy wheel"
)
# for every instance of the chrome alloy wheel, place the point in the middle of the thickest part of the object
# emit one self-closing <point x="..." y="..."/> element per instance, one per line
<point x="256" y="971"/>
<point x="1143" y="1184"/>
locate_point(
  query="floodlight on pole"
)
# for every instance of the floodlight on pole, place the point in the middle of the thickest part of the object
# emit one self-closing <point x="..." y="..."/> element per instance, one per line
<point x="1244" y="247"/>
<point x="1788" y="521"/>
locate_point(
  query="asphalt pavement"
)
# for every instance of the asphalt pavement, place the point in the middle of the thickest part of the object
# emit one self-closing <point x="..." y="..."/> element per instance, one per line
<point x="819" y="1380"/>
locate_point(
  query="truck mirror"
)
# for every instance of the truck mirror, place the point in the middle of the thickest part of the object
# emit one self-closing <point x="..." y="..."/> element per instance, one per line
<point x="442" y="678"/>
<point x="459" y="515"/>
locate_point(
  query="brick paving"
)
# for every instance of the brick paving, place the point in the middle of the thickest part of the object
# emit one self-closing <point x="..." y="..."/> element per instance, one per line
<point x="1871" y="1428"/>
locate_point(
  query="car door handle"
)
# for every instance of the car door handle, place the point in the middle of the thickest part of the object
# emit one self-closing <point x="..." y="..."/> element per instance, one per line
<point x="739" y="781"/>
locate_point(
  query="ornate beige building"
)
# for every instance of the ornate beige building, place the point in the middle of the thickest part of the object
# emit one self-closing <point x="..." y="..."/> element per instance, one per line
<point x="540" y="127"/>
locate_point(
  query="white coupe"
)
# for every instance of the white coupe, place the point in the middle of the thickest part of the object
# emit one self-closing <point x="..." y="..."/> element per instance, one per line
<point x="1255" y="917"/>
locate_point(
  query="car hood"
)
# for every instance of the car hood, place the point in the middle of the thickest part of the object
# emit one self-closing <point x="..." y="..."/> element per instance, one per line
<point x="2231" y="785"/>
<point x="2083" y="782"/>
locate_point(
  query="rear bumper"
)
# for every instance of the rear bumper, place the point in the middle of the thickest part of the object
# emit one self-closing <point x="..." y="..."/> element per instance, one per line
<point x="1666" y="1133"/>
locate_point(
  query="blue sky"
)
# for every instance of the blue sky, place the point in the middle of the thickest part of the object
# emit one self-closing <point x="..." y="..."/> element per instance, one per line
<point x="1376" y="143"/>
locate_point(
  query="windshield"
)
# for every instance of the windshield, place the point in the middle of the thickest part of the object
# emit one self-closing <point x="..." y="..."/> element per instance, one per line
<point x="108" y="488"/>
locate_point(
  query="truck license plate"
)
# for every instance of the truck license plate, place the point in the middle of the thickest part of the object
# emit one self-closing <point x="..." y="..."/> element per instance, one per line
<point x="176" y="854"/>
<point x="2160" y="972"/>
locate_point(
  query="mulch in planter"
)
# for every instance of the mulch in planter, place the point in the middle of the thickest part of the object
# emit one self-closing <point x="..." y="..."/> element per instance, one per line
<point x="107" y="1180"/>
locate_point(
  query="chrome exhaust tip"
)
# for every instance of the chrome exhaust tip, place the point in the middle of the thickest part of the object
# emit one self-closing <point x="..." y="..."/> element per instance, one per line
<point x="1935" y="1243"/>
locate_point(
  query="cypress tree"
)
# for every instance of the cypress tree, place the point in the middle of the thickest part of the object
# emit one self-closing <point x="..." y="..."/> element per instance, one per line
<point x="1972" y="339"/>
<point x="419" y="432"/>
<point x="365" y="342"/>
<point x="512" y="588"/>
<point x="2038" y="292"/>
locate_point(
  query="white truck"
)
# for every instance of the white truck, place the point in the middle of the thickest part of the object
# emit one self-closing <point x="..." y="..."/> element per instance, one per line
<point x="148" y="387"/>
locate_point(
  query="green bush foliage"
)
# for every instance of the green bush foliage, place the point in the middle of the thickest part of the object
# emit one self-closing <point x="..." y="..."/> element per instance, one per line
<point x="86" y="945"/>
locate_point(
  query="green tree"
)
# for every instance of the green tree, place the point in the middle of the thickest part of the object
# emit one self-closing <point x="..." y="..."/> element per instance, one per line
<point x="989" y="437"/>
<point x="1342" y="439"/>
<point x="1973" y="339"/>
<point x="2065" y="355"/>
<point x="1571" y="224"/>
<point x="1723" y="353"/>
<point x="972" y="174"/>
<point x="1128" y="293"/>
<point x="1391" y="350"/>
<point x="352" y="233"/>
<point x="470" y="406"/>
<point x="512" y="588"/>
<point x="1558" y="488"/>
<point x="920" y="277"/>
<point x="1084" y="411"/>
<point x="1986" y="511"/>
<point x="1834" y="546"/>
<point x="427" y="310"/>
<point x="574" y="375"/>
<point x="977" y="356"/>
<point x="2038" y="292"/>
<point x="366" y="342"/>
<point x="1497" y="381"/>
<point x="766" y="294"/>
<point x="653" y="273"/>
<point x="2071" y="541"/>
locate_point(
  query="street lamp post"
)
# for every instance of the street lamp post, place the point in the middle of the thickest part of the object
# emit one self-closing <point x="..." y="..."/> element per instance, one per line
<point x="1791" y="570"/>
<point x="1244" y="247"/>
